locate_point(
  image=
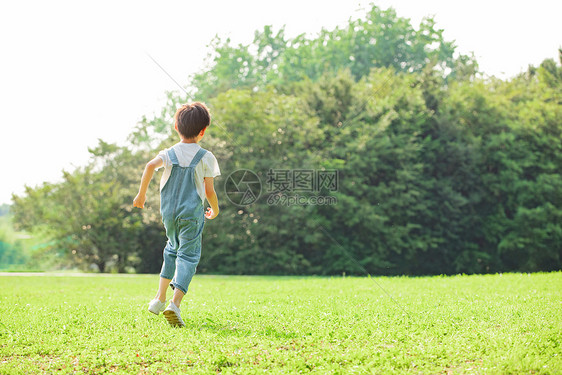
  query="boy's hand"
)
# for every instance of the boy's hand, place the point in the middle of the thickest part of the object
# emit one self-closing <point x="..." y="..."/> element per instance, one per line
<point x="139" y="201"/>
<point x="210" y="214"/>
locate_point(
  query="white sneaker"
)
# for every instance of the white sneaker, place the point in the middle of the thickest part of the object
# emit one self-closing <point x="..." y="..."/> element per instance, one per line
<point x="156" y="307"/>
<point x="173" y="315"/>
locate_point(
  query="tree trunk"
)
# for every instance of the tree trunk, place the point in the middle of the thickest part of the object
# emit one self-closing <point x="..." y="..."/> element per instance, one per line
<point x="101" y="266"/>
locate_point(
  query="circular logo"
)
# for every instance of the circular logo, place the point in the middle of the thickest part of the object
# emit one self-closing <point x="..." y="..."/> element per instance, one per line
<point x="242" y="187"/>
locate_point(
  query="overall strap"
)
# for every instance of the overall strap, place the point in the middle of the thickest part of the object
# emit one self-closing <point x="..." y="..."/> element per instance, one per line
<point x="198" y="156"/>
<point x="173" y="157"/>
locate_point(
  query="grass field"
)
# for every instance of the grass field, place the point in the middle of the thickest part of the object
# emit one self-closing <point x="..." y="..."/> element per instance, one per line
<point x="510" y="323"/>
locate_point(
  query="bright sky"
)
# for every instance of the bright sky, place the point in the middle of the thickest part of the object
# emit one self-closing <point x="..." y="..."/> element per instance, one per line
<point x="72" y="72"/>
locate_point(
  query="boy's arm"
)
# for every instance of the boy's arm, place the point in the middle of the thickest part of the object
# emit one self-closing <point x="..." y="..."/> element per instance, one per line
<point x="145" y="180"/>
<point x="211" y="195"/>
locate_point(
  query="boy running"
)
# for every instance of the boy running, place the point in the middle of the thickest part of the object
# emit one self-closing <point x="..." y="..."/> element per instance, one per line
<point x="187" y="180"/>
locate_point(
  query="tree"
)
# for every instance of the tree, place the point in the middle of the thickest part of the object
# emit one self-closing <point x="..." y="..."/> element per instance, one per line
<point x="380" y="39"/>
<point x="89" y="214"/>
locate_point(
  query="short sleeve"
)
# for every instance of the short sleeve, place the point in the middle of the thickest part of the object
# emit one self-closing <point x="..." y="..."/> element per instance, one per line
<point x="210" y="165"/>
<point x="165" y="158"/>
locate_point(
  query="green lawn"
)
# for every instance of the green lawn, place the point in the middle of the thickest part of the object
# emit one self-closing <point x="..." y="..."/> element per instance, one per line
<point x="510" y="323"/>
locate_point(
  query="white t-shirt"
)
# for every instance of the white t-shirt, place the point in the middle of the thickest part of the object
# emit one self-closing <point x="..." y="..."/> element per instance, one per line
<point x="207" y="167"/>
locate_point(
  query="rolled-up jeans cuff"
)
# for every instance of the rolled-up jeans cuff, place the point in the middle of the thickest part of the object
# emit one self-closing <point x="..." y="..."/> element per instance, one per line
<point x="174" y="285"/>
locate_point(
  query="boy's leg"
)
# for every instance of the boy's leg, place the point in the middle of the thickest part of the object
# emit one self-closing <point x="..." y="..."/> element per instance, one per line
<point x="162" y="288"/>
<point x="178" y="296"/>
<point x="188" y="255"/>
<point x="167" y="272"/>
<point x="187" y="259"/>
<point x="157" y="305"/>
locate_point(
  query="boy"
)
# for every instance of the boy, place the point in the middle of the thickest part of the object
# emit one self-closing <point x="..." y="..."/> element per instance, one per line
<point x="187" y="179"/>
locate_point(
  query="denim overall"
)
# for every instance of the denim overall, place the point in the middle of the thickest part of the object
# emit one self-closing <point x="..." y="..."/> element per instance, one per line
<point x="183" y="216"/>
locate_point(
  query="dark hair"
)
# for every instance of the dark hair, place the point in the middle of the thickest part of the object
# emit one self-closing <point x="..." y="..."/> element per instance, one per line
<point x="192" y="118"/>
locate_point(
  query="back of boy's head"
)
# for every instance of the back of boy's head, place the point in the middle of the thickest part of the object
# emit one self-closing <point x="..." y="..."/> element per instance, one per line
<point x="192" y="118"/>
